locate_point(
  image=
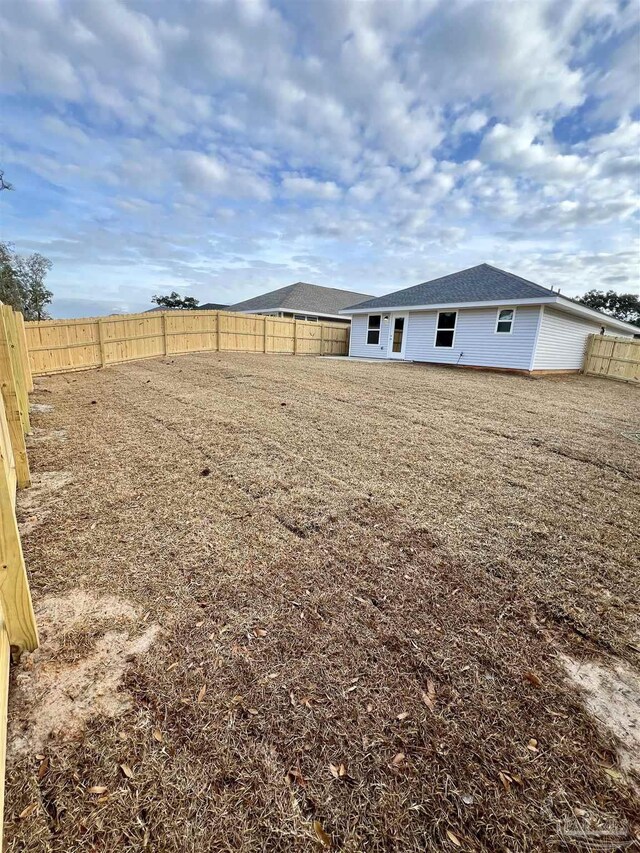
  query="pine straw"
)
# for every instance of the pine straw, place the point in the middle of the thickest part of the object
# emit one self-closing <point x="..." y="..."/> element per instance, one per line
<point x="395" y="540"/>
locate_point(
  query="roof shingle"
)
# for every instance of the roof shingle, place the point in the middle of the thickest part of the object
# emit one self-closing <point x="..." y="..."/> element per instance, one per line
<point x="302" y="296"/>
<point x="482" y="283"/>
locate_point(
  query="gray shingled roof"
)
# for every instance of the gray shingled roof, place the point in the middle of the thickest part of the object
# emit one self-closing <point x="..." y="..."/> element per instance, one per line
<point x="483" y="283"/>
<point x="302" y="297"/>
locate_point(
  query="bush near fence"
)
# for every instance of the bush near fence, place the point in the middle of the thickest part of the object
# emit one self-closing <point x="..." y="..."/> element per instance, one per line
<point x="18" y="630"/>
<point x="57" y="346"/>
<point x="613" y="357"/>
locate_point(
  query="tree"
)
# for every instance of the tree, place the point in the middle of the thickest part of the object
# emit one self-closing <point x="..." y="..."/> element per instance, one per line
<point x="22" y="282"/>
<point x="33" y="271"/>
<point x="622" y="306"/>
<point x="174" y="300"/>
<point x="11" y="288"/>
<point x="4" y="185"/>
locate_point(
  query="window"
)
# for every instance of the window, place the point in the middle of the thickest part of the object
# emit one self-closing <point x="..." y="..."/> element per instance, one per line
<point x="504" y="323"/>
<point x="373" y="329"/>
<point x="446" y="328"/>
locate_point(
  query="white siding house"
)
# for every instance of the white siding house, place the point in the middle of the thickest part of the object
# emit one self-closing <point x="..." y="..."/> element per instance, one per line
<point x="562" y="341"/>
<point x="482" y="317"/>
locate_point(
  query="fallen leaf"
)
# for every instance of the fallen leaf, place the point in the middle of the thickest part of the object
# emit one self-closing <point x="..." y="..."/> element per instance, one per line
<point x="97" y="789"/>
<point x="252" y="711"/>
<point x="202" y="692"/>
<point x="157" y="735"/>
<point x="296" y="774"/>
<point x="323" y="837"/>
<point x="128" y="772"/>
<point x="335" y="771"/>
<point x="615" y="774"/>
<point x="42" y="770"/>
<point x="26" y="812"/>
<point x="403" y="715"/>
<point x="453" y="838"/>
<point x="369" y="708"/>
<point x="342" y="770"/>
<point x="429" y="696"/>
<point x="534" y="679"/>
<point x="533" y="745"/>
<point x="259" y="632"/>
<point x="505" y="780"/>
<point x="398" y="758"/>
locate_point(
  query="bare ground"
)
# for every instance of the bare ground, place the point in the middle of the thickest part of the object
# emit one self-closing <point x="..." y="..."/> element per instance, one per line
<point x="292" y="603"/>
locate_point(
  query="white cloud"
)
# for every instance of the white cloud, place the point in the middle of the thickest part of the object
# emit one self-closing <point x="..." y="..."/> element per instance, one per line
<point x="195" y="140"/>
<point x="296" y="185"/>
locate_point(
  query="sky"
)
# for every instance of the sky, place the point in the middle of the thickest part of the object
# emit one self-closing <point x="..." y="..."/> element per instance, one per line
<point x="223" y="149"/>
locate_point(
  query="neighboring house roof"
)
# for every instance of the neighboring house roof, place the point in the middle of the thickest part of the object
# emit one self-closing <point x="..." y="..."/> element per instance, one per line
<point x="301" y="296"/>
<point x="478" y="286"/>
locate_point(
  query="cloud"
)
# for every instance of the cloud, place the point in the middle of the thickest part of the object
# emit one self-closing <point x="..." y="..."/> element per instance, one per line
<point x="214" y="144"/>
<point x="296" y="185"/>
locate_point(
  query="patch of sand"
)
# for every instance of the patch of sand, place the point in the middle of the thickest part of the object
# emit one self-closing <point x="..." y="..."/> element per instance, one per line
<point x="612" y="695"/>
<point x="40" y="408"/>
<point x="38" y="436"/>
<point x="54" y="698"/>
<point x="34" y="504"/>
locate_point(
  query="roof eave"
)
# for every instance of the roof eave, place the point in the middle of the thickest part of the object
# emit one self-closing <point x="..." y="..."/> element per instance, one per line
<point x="495" y="303"/>
<point x="597" y="316"/>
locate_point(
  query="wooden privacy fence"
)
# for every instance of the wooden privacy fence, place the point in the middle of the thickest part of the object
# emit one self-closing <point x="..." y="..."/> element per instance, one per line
<point x="18" y="630"/>
<point x="57" y="346"/>
<point x="613" y="357"/>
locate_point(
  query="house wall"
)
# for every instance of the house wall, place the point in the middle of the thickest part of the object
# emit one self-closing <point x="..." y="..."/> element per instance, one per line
<point x="476" y="342"/>
<point x="358" y="346"/>
<point x="562" y="340"/>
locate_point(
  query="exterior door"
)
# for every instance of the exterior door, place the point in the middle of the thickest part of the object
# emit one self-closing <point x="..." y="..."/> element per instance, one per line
<point x="397" y="335"/>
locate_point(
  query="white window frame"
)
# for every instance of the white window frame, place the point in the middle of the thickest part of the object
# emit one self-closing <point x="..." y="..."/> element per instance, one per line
<point x="438" y="329"/>
<point x="513" y="319"/>
<point x="378" y="330"/>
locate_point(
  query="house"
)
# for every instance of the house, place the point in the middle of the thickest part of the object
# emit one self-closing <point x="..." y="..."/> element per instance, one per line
<point x="302" y="301"/>
<point x="479" y="317"/>
<point x="212" y="306"/>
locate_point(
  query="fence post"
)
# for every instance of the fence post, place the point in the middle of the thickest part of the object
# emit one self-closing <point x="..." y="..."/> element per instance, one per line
<point x="14" y="586"/>
<point x="12" y="408"/>
<point x="217" y="331"/>
<point x="264" y="334"/>
<point x="4" y="698"/>
<point x="164" y="331"/>
<point x="101" y="339"/>
<point x="295" y="336"/>
<point x="322" y="339"/>
<point x="24" y="351"/>
<point x="18" y="373"/>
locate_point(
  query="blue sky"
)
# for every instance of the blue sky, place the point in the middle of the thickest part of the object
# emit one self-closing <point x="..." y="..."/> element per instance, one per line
<point x="226" y="148"/>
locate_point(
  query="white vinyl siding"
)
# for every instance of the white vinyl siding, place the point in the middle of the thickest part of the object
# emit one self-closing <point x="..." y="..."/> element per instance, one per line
<point x="562" y="340"/>
<point x="358" y="346"/>
<point x="475" y="343"/>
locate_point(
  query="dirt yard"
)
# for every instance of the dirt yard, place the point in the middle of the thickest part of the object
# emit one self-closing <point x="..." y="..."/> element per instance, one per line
<point x="289" y="604"/>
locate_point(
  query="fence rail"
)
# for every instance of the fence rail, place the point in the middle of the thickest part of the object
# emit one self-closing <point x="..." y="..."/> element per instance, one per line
<point x="18" y="631"/>
<point x="58" y="346"/>
<point x="613" y="357"/>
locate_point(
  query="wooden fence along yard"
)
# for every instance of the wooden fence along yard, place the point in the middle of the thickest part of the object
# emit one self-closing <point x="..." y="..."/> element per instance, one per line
<point x="613" y="357"/>
<point x="57" y="346"/>
<point x="18" y="630"/>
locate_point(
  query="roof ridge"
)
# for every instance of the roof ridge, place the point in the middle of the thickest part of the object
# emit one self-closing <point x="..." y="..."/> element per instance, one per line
<point x="519" y="278"/>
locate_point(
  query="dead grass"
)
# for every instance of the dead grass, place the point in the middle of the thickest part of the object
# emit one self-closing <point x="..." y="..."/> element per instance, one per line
<point x="361" y="606"/>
